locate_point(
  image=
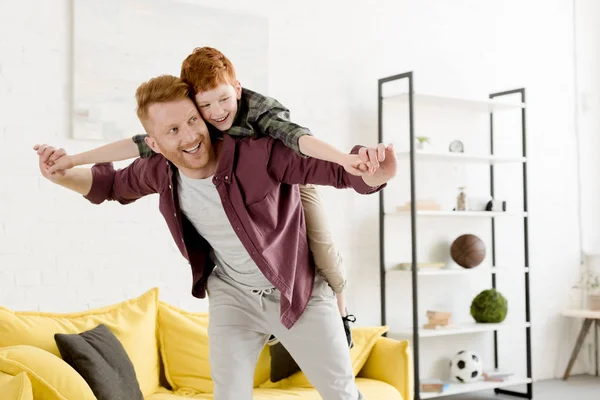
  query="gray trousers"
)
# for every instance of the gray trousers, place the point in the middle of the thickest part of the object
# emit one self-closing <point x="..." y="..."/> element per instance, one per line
<point x="241" y="322"/>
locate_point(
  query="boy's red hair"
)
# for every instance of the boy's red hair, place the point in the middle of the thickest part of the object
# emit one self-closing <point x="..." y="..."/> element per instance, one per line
<point x="206" y="68"/>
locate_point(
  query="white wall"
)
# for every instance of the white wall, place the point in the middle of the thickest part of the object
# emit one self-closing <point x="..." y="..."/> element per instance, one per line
<point x="57" y="252"/>
<point x="587" y="51"/>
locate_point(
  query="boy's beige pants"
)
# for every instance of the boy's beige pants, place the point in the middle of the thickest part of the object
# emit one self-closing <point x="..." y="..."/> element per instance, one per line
<point x="327" y="258"/>
<point x="241" y="321"/>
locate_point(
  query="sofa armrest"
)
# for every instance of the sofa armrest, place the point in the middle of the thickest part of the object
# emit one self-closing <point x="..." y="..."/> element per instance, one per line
<point x="390" y="361"/>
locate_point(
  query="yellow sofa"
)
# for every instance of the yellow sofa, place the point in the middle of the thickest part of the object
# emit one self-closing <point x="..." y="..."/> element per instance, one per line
<point x="168" y="348"/>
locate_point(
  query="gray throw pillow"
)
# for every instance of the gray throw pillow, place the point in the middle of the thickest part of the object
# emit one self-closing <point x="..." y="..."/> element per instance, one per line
<point x="99" y="357"/>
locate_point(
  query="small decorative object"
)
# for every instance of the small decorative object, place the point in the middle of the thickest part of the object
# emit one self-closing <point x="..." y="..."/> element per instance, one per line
<point x="496" y="205"/>
<point x="456" y="146"/>
<point x="422" y="142"/>
<point x="438" y="319"/>
<point x="466" y="366"/>
<point x="461" y="200"/>
<point x="590" y="283"/>
<point x="468" y="250"/>
<point x="489" y="306"/>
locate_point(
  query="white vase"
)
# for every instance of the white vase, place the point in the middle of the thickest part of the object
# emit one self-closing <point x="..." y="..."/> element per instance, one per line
<point x="422" y="145"/>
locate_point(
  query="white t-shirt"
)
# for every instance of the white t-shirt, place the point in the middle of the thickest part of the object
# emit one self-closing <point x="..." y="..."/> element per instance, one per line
<point x="201" y="204"/>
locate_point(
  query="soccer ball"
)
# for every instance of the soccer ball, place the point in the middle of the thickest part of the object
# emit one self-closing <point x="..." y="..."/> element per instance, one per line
<point x="466" y="366"/>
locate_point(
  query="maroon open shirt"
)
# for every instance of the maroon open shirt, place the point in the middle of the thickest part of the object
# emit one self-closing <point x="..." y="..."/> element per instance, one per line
<point x="256" y="180"/>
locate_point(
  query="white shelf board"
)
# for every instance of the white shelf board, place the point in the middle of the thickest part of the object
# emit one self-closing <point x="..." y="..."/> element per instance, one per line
<point x="459" y="329"/>
<point x="482" y="105"/>
<point x="459" y="157"/>
<point x="459" y="388"/>
<point x="444" y="213"/>
<point x="457" y="271"/>
<point x="592" y="314"/>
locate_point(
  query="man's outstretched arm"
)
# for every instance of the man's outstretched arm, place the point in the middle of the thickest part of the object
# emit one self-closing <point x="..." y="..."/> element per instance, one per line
<point x="287" y="167"/>
<point x="102" y="182"/>
<point x="76" y="179"/>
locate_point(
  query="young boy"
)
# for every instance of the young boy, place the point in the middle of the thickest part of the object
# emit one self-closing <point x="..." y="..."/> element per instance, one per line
<point x="237" y="111"/>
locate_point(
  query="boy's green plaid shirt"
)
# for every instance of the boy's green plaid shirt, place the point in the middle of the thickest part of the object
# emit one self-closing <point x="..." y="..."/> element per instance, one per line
<point x="257" y="115"/>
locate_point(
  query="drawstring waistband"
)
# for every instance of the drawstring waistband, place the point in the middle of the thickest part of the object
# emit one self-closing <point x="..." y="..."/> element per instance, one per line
<point x="261" y="293"/>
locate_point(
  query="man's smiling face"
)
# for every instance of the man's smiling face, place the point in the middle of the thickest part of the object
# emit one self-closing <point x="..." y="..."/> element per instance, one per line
<point x="178" y="132"/>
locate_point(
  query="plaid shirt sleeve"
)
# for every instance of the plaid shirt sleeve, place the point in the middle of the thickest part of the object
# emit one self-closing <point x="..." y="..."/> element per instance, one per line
<point x="274" y="120"/>
<point x="144" y="150"/>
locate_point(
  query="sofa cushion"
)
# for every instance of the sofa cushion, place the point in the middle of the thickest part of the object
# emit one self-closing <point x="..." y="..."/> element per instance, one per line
<point x="183" y="339"/>
<point x="51" y="378"/>
<point x="16" y="387"/>
<point x="364" y="339"/>
<point x="132" y="321"/>
<point x="101" y="360"/>
<point x="371" y="389"/>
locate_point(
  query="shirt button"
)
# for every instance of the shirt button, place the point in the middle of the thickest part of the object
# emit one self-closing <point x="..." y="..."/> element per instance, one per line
<point x="175" y="215"/>
<point x="170" y="187"/>
<point x="226" y="177"/>
<point x="238" y="228"/>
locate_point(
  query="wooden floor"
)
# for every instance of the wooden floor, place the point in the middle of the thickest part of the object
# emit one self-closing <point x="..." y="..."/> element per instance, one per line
<point x="579" y="387"/>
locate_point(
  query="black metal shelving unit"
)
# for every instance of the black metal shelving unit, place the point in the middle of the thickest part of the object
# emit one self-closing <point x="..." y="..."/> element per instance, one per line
<point x="409" y="76"/>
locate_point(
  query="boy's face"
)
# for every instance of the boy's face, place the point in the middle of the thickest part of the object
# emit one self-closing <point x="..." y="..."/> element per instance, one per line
<point x="178" y="132"/>
<point x="219" y="105"/>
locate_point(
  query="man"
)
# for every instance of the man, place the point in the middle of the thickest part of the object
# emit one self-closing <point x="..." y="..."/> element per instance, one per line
<point x="235" y="202"/>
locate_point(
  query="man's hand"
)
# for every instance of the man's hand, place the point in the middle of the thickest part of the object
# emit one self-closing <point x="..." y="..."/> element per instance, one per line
<point x="386" y="164"/>
<point x="77" y="179"/>
<point x="48" y="157"/>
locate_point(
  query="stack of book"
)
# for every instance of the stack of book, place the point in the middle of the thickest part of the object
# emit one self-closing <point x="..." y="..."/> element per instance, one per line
<point x="496" y="375"/>
<point x="438" y="319"/>
<point x="433" y="386"/>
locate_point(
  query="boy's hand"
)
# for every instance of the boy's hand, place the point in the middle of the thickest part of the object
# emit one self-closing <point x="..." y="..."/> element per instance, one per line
<point x="386" y="170"/>
<point x="354" y="165"/>
<point x="372" y="156"/>
<point x="48" y="157"/>
<point x="58" y="162"/>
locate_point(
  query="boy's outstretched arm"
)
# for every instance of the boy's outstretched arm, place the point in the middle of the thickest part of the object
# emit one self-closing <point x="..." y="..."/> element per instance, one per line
<point x="116" y="151"/>
<point x="287" y="167"/>
<point x="275" y="121"/>
<point x="353" y="163"/>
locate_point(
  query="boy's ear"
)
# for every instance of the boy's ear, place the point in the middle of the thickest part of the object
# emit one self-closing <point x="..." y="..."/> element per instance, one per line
<point x="152" y="144"/>
<point x="238" y="90"/>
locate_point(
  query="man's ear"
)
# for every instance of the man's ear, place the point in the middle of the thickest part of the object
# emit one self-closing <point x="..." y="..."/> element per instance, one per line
<point x="152" y="144"/>
<point x="238" y="90"/>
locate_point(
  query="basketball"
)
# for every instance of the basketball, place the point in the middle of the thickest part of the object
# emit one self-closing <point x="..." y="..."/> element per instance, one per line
<point x="468" y="251"/>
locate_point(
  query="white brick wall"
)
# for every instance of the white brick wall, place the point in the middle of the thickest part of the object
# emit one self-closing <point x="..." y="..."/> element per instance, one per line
<point x="60" y="253"/>
<point x="57" y="251"/>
